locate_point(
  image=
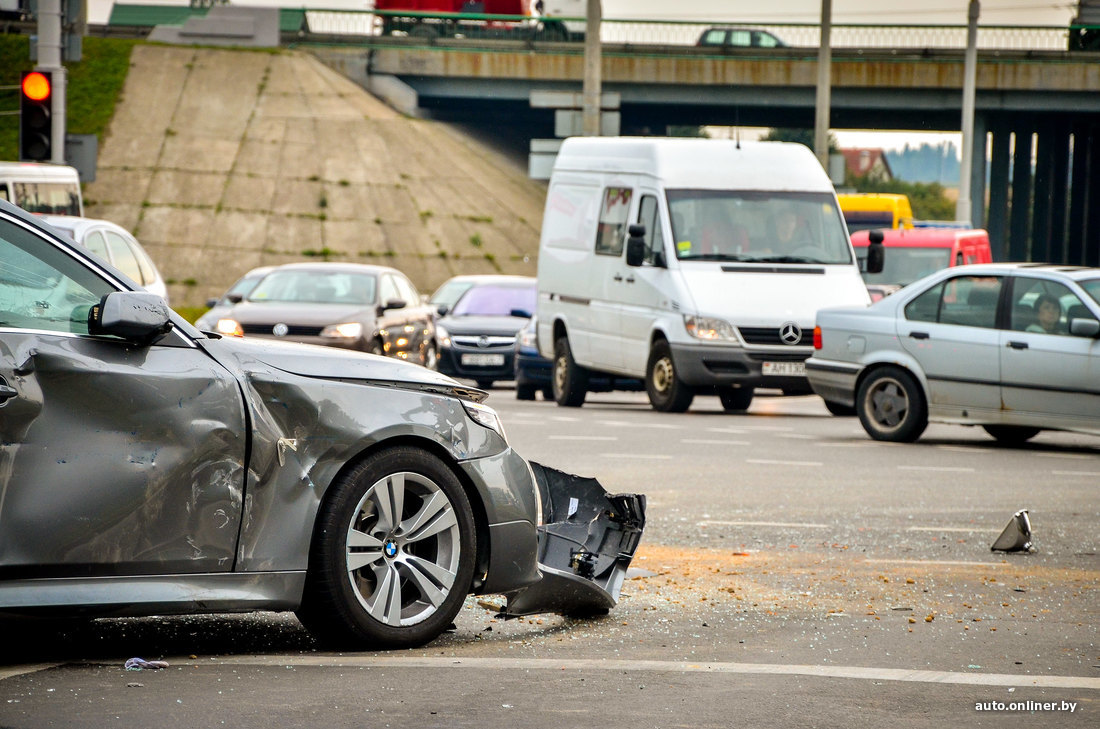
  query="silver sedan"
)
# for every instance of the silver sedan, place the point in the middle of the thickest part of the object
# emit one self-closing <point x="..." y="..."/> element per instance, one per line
<point x="1014" y="348"/>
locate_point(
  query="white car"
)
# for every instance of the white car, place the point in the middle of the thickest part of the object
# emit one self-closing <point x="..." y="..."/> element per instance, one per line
<point x="1013" y="347"/>
<point x="114" y="244"/>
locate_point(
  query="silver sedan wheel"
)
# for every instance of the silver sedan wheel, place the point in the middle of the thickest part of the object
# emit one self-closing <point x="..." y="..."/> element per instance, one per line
<point x="888" y="403"/>
<point x="403" y="549"/>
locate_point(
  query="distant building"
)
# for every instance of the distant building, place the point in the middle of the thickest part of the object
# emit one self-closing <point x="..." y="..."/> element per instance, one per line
<point x="869" y="163"/>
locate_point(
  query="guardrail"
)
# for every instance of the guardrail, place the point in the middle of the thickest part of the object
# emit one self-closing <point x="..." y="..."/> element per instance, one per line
<point x="428" y="26"/>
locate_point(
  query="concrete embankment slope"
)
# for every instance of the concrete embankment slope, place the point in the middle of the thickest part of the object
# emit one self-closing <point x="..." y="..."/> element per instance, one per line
<point x="220" y="161"/>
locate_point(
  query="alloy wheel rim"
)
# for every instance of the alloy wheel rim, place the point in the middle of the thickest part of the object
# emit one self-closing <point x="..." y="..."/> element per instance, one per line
<point x="662" y="375"/>
<point x="888" y="404"/>
<point x="403" y="549"/>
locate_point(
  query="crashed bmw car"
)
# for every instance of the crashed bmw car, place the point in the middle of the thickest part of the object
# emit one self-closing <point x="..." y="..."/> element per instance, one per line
<point x="148" y="468"/>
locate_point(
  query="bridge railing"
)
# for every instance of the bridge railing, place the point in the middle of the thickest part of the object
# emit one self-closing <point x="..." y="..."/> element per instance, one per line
<point x="422" y="27"/>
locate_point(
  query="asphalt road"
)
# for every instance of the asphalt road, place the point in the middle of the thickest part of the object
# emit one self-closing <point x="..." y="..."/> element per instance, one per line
<point x="793" y="573"/>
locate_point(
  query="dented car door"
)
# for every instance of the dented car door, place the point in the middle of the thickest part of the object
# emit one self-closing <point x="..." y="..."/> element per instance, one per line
<point x="130" y="457"/>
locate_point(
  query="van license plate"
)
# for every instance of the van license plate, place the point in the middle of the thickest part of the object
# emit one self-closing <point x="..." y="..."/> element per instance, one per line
<point x="789" y="369"/>
<point x="483" y="360"/>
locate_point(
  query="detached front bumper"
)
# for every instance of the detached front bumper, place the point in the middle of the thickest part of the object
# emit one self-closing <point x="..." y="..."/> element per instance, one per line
<point x="586" y="543"/>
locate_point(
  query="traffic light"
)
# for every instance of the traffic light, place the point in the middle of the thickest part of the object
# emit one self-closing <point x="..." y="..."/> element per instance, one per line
<point x="35" y="112"/>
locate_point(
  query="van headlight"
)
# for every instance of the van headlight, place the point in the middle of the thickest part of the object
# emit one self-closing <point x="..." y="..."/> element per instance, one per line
<point x="485" y="416"/>
<point x="709" y="329"/>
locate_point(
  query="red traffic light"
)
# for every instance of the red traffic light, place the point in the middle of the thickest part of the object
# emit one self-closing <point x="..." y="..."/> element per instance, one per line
<point x="36" y="86"/>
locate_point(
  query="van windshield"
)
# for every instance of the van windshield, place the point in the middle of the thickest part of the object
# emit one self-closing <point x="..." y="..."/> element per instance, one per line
<point x="752" y="226"/>
<point x="48" y="198"/>
<point x="903" y="266"/>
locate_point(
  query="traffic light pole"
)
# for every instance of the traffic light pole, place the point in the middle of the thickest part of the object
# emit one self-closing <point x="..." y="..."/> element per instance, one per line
<point x="49" y="59"/>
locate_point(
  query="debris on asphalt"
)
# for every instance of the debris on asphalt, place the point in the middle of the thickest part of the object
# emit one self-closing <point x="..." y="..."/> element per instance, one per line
<point x="1016" y="536"/>
<point x="138" y="664"/>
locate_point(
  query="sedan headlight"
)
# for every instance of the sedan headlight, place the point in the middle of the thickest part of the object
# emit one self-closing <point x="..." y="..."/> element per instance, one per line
<point x="711" y="330"/>
<point x="484" y="416"/>
<point x="443" y="336"/>
<point x="347" y="330"/>
<point x="229" y="328"/>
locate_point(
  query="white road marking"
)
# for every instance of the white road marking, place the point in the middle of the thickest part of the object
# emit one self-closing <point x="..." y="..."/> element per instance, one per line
<point x="583" y="437"/>
<point x="938" y="561"/>
<point x="1076" y="473"/>
<point x="798" y="436"/>
<point x="949" y="469"/>
<point x="764" y="523"/>
<point x="764" y="462"/>
<point x="732" y="431"/>
<point x="639" y="456"/>
<point x="952" y="529"/>
<point x="564" y="418"/>
<point x="651" y="666"/>
<point x="703" y="441"/>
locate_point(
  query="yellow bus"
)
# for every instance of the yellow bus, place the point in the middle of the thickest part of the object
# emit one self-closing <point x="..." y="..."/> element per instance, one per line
<point x="869" y="210"/>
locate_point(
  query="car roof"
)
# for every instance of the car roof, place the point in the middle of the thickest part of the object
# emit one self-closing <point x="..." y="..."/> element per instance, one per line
<point x="79" y="225"/>
<point x="919" y="237"/>
<point x="334" y="267"/>
<point x="485" y="278"/>
<point x="1076" y="273"/>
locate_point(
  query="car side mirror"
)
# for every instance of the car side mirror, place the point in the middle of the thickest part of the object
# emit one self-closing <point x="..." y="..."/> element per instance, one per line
<point x="136" y="316"/>
<point x="442" y="309"/>
<point x="211" y="303"/>
<point x="876" y="252"/>
<point x="1084" y="328"/>
<point x="234" y="298"/>
<point x="392" y="304"/>
<point x="520" y="313"/>
<point x="635" y="245"/>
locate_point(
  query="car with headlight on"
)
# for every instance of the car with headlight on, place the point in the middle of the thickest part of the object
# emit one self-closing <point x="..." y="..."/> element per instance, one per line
<point x="149" y="468"/>
<point x="477" y="334"/>
<point x="350" y="305"/>
<point x="1013" y="348"/>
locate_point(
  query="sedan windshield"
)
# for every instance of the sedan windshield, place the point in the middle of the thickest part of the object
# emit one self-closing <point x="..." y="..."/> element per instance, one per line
<point x="1092" y="288"/>
<point x="316" y="287"/>
<point x="757" y="227"/>
<point x="905" y="265"/>
<point x="496" y="301"/>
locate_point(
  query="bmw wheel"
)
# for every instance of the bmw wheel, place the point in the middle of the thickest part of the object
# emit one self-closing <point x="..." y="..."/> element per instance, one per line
<point x="667" y="392"/>
<point x="891" y="406"/>
<point x="393" y="553"/>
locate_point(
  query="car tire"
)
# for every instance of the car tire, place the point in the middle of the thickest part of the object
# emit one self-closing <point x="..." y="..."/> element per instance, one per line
<point x="548" y="392"/>
<point x="841" y="411"/>
<point x="891" y="406"/>
<point x="485" y="384"/>
<point x="526" y="391"/>
<point x="431" y="358"/>
<point x="569" y="380"/>
<point x="735" y="399"/>
<point x="667" y="392"/>
<point x="1011" y="435"/>
<point x="376" y="347"/>
<point x="359" y="594"/>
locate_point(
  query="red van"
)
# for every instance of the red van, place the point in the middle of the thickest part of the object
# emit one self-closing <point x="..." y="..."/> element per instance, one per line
<point x="914" y="253"/>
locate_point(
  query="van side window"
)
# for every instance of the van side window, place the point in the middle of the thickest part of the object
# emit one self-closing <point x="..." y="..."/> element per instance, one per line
<point x="649" y="216"/>
<point x="613" y="217"/>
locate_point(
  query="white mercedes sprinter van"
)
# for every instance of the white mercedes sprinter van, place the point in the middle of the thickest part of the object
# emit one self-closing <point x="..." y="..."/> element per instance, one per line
<point x="696" y="265"/>
<point x="41" y="188"/>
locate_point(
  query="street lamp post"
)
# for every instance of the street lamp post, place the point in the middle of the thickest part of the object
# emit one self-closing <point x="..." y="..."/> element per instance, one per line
<point x="963" y="207"/>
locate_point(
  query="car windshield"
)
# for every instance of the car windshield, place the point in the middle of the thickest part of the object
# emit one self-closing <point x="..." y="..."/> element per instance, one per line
<point x="241" y="288"/>
<point x="450" y="292"/>
<point x="757" y="227"/>
<point x="903" y="266"/>
<point x="48" y="198"/>
<point x="496" y="301"/>
<point x="1092" y="288"/>
<point x="317" y="287"/>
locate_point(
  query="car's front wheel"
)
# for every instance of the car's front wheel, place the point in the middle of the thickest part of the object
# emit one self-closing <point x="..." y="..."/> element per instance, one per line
<point x="1011" y="435"/>
<point x="667" y="392"/>
<point x="393" y="553"/>
<point x="891" y="406"/>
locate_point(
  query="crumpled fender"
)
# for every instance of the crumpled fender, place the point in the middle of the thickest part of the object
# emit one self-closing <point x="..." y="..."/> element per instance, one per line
<point x="586" y="543"/>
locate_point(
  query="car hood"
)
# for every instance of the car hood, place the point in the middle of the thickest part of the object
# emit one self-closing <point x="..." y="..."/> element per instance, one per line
<point x="310" y="360"/>
<point x="250" y="312"/>
<point x="770" y="299"/>
<point x="495" y="325"/>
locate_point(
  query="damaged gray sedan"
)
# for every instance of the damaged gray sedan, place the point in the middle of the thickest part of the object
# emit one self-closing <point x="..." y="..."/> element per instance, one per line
<point x="147" y="468"/>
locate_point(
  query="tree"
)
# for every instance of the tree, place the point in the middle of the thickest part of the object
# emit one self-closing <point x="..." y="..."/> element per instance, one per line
<point x="928" y="200"/>
<point x="799" y="136"/>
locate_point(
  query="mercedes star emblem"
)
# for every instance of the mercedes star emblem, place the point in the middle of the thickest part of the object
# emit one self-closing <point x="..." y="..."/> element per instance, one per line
<point x="790" y="333"/>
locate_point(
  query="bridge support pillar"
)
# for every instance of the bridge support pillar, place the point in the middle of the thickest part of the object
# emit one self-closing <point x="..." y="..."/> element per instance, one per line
<point x="1018" y="248"/>
<point x="997" y="218"/>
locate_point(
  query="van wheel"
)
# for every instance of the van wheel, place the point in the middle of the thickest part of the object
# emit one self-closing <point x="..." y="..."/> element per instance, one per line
<point x="735" y="398"/>
<point x="569" y="380"/>
<point x="667" y="392"/>
<point x="525" y="391"/>
<point x="891" y="406"/>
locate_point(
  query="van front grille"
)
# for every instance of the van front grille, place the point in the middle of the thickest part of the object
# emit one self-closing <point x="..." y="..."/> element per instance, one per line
<point x="770" y="336"/>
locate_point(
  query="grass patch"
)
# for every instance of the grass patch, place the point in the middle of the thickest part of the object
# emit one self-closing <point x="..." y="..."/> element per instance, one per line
<point x="94" y="85"/>
<point x="324" y="253"/>
<point x="190" y="313"/>
<point x="475" y="240"/>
